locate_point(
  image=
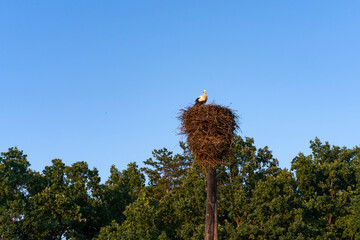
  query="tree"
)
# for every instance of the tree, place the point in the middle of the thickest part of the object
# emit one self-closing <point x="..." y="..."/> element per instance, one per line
<point x="327" y="181"/>
<point x="257" y="199"/>
<point x="14" y="193"/>
<point x="69" y="206"/>
<point x="181" y="211"/>
<point x="167" y="171"/>
<point x="121" y="189"/>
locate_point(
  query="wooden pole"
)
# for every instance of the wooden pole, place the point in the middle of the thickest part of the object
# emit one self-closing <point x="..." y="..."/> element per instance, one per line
<point x="211" y="219"/>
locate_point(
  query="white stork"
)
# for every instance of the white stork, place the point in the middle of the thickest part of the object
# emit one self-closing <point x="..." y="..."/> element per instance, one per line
<point x="201" y="99"/>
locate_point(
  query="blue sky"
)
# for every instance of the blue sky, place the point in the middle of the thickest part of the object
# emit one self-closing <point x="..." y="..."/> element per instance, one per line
<point x="103" y="81"/>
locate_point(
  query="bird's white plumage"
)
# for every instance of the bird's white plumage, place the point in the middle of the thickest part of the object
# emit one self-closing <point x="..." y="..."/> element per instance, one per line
<point x="202" y="98"/>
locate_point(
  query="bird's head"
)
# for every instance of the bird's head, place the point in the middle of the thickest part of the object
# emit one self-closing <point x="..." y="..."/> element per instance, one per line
<point x="204" y="91"/>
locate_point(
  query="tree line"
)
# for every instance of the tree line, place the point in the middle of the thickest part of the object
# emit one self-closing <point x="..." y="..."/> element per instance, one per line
<point x="318" y="198"/>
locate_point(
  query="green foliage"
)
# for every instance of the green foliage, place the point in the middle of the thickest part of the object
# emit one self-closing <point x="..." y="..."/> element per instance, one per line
<point x="317" y="199"/>
<point x="329" y="187"/>
<point x="257" y="199"/>
<point x="182" y="210"/>
<point x="63" y="202"/>
<point x="167" y="171"/>
<point x="139" y="223"/>
<point x="70" y="204"/>
<point x="110" y="232"/>
<point x="140" y="218"/>
<point x="121" y="189"/>
<point x="14" y="184"/>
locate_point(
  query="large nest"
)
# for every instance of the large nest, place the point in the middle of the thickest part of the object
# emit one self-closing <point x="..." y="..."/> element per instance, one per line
<point x="210" y="131"/>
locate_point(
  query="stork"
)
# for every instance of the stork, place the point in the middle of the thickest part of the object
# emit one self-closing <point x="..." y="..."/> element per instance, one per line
<point x="201" y="99"/>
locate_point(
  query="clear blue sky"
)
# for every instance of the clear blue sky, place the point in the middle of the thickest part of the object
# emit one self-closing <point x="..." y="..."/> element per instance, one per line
<point x="102" y="81"/>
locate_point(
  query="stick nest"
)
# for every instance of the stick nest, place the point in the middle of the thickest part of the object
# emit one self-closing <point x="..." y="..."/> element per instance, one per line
<point x="210" y="131"/>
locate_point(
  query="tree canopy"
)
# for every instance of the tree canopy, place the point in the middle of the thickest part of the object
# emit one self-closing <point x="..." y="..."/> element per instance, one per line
<point x="318" y="198"/>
